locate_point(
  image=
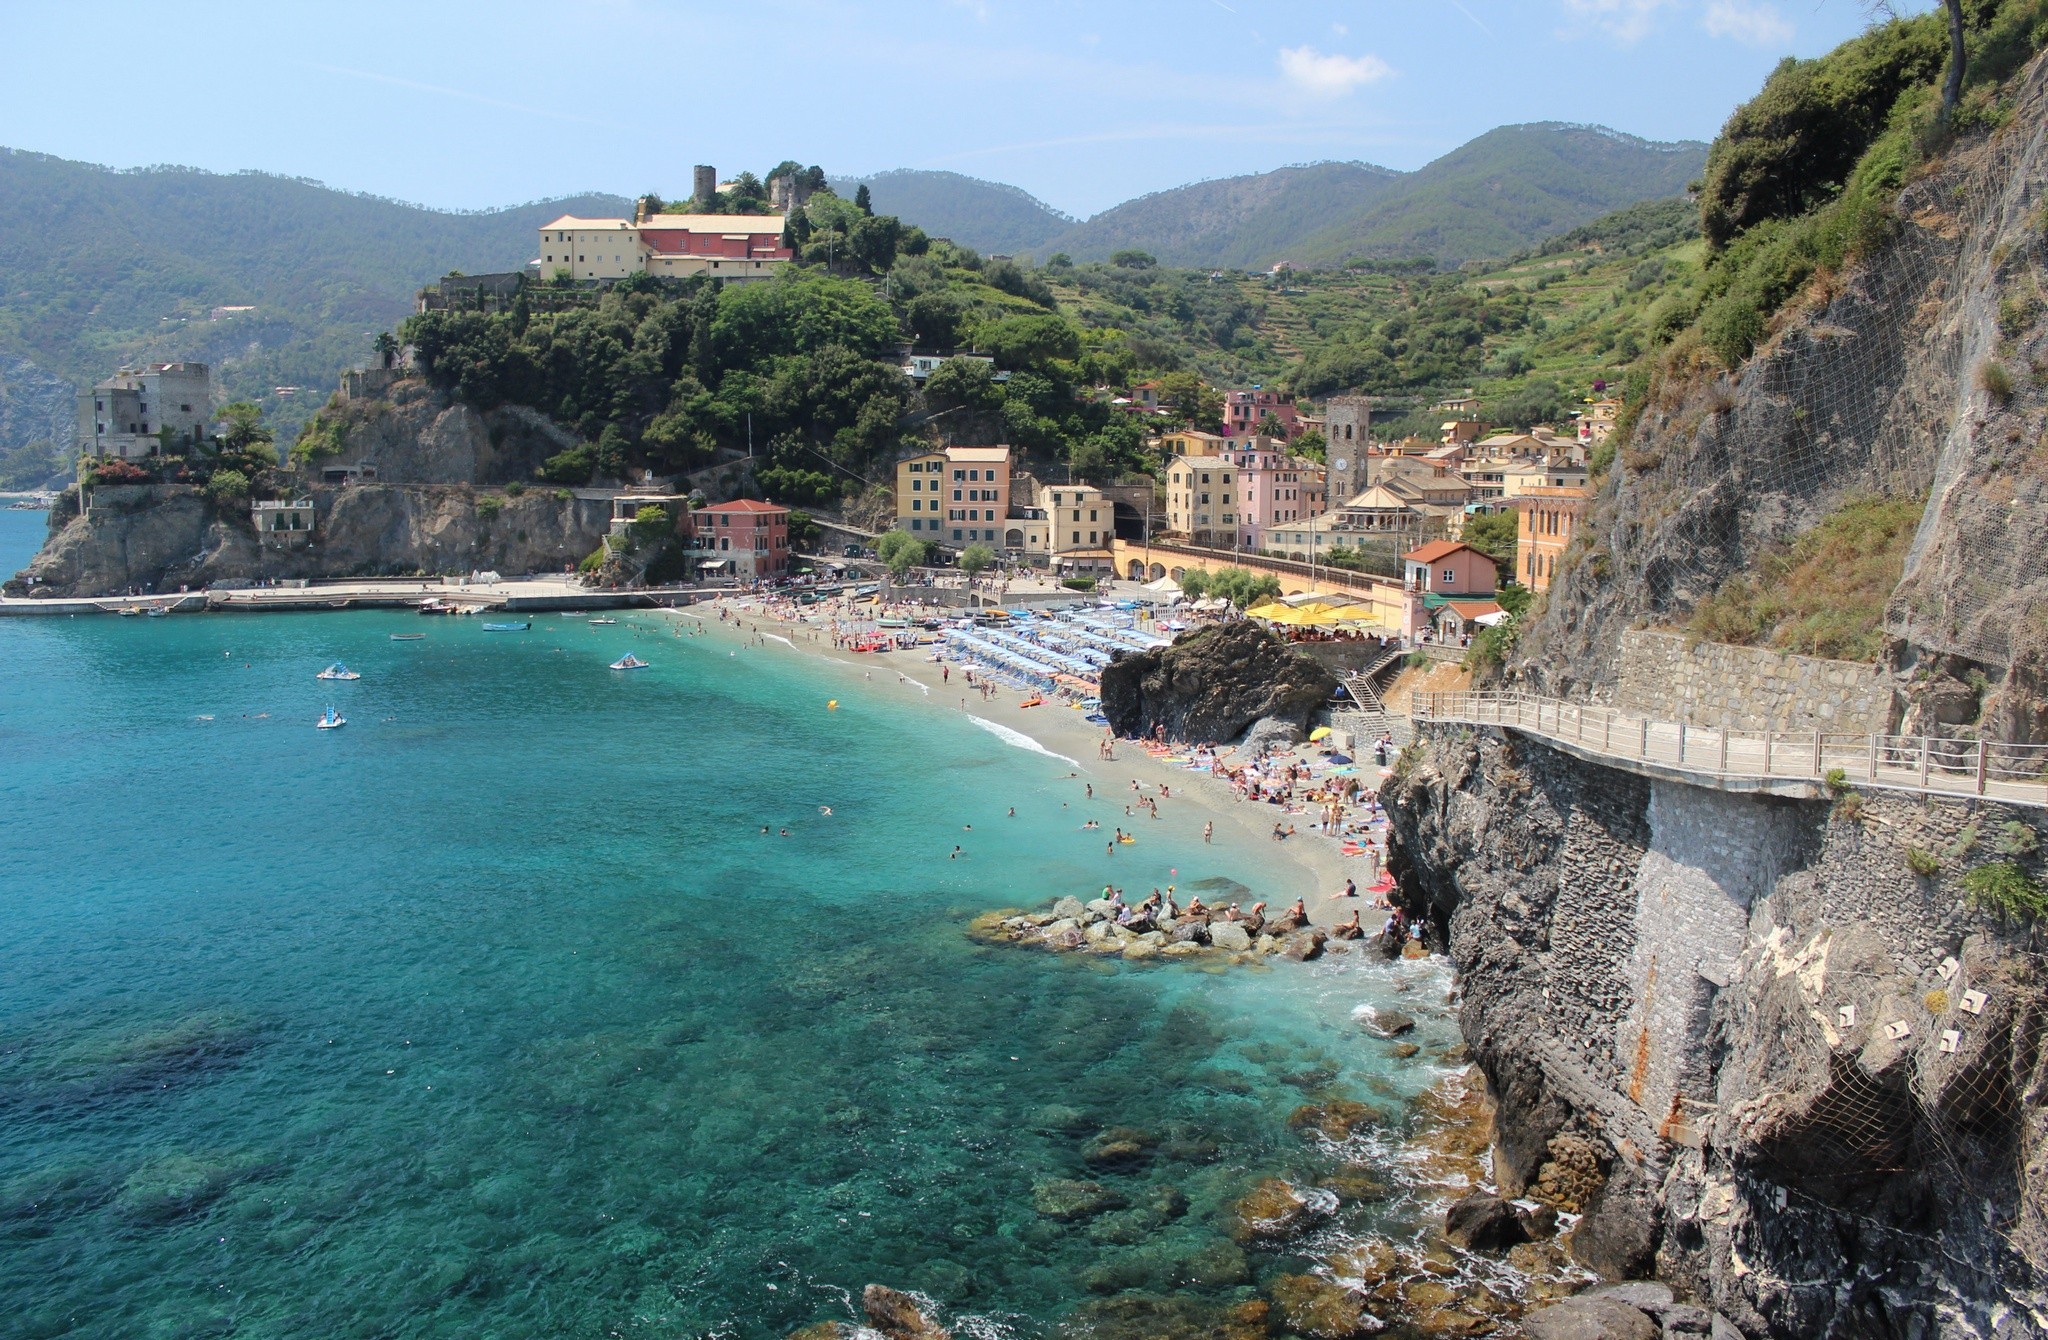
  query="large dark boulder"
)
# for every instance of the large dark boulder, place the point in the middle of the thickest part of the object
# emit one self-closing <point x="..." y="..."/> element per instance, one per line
<point x="1212" y="684"/>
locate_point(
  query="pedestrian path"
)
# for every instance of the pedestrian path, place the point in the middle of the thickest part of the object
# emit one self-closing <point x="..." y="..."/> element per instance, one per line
<point x="1786" y="762"/>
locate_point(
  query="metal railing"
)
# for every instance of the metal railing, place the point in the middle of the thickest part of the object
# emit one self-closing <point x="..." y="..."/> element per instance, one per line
<point x="2014" y="773"/>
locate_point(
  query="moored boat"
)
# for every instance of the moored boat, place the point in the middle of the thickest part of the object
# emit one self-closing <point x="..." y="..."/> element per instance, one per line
<point x="332" y="721"/>
<point x="337" y="671"/>
<point x="629" y="662"/>
<point x="507" y="627"/>
<point x="407" y="637"/>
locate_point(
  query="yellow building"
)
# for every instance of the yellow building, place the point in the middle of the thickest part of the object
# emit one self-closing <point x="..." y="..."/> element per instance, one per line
<point x="1202" y="499"/>
<point x="955" y="497"/>
<point x="725" y="246"/>
<point x="1549" y="519"/>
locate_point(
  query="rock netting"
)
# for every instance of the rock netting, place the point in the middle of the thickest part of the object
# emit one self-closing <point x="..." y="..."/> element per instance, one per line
<point x="1214" y="684"/>
<point x="1670" y="677"/>
<point x="1742" y="1038"/>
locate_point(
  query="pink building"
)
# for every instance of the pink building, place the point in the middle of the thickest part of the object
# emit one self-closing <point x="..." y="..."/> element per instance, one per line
<point x="1275" y="489"/>
<point x="748" y="539"/>
<point x="1244" y="411"/>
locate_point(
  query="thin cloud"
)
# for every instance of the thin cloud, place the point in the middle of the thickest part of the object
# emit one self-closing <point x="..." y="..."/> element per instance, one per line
<point x="1330" y="76"/>
<point x="1455" y="4"/>
<point x="1758" y="25"/>
<point x="460" y="95"/>
<point x="1624" y="20"/>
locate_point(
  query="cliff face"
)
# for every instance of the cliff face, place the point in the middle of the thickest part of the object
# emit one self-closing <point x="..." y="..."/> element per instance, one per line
<point x="423" y="513"/>
<point x="1214" y="684"/>
<point x="1759" y="1023"/>
<point x="1918" y="370"/>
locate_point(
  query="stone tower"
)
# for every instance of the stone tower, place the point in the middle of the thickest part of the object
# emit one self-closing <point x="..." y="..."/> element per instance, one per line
<point x="704" y="186"/>
<point x="1348" y="424"/>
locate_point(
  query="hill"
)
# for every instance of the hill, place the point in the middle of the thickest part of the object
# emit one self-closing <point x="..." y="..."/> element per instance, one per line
<point x="103" y="267"/>
<point x="986" y="215"/>
<point x="1496" y="195"/>
<point x="1232" y="222"/>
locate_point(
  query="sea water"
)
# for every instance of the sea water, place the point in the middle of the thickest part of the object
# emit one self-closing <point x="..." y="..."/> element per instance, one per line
<point x="497" y="1013"/>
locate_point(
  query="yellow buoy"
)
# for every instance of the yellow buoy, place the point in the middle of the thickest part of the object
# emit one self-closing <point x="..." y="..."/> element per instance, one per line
<point x="832" y="705"/>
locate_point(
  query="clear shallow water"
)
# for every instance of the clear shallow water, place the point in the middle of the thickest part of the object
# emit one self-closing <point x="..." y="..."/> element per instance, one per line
<point x="495" y="1013"/>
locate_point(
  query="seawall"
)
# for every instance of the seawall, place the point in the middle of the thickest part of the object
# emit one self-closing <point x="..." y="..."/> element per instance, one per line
<point x="1756" y="1020"/>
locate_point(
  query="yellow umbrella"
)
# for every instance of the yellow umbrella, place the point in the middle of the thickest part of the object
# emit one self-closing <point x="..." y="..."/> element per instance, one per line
<point x="1318" y="733"/>
<point x="1273" y="611"/>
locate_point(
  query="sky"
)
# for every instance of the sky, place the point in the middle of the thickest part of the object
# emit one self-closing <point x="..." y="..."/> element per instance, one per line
<point x="469" y="104"/>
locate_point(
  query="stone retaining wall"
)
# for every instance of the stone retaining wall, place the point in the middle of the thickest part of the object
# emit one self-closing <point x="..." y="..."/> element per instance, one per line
<point x="1668" y="677"/>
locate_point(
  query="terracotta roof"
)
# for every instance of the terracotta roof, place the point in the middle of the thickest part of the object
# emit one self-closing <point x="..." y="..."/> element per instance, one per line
<point x="743" y="505"/>
<point x="1436" y="549"/>
<point x="1472" y="609"/>
<point x="979" y="453"/>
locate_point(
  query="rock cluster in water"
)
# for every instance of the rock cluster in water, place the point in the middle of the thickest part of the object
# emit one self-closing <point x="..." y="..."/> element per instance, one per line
<point x="1096" y="928"/>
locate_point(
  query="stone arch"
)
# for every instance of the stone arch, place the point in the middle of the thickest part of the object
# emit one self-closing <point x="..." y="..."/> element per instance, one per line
<point x="1136" y="571"/>
<point x="1013" y="539"/>
<point x="1158" y="571"/>
<point x="1178" y="573"/>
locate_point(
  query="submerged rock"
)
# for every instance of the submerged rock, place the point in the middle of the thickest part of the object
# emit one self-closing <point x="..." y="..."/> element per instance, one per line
<point x="1312" y="1306"/>
<point x="898" y="1316"/>
<point x="1276" y="1210"/>
<point x="1119" y="1147"/>
<point x="1386" y="1023"/>
<point x="1338" y="1119"/>
<point x="1066" y="1199"/>
<point x="1229" y="935"/>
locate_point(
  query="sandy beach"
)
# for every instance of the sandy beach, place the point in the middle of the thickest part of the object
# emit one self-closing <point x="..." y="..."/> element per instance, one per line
<point x="1308" y="865"/>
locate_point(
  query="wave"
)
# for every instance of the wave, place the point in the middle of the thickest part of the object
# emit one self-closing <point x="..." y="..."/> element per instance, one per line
<point x="1018" y="738"/>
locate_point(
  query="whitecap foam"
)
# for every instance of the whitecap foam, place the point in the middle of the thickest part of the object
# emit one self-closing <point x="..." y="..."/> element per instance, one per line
<point x="1018" y="738"/>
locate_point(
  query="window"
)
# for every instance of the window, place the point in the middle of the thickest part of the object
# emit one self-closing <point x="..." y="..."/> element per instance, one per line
<point x="959" y="475"/>
<point x="956" y="494"/>
<point x="956" y="532"/>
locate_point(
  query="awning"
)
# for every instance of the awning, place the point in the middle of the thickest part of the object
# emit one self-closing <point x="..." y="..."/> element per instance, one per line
<point x="714" y="565"/>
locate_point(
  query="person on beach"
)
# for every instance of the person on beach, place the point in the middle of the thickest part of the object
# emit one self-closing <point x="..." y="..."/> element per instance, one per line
<point x="1208" y="832"/>
<point x="1350" y="890"/>
<point x="1348" y="930"/>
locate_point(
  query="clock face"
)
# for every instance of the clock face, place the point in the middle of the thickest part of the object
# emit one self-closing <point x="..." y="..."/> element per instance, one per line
<point x="1341" y="464"/>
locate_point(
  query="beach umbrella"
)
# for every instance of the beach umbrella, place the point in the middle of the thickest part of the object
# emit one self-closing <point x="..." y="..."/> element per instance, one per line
<point x="1318" y="733"/>
<point x="1339" y="758"/>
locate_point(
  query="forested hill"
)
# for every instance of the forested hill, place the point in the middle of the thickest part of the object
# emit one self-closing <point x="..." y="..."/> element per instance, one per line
<point x="986" y="215"/>
<point x="1499" y="194"/>
<point x="103" y="266"/>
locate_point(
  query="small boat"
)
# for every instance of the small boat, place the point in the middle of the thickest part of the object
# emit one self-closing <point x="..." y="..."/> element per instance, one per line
<point x="332" y="721"/>
<point x="337" y="671"/>
<point x="629" y="662"/>
<point x="598" y="623"/>
<point x="572" y="614"/>
<point x="130" y="612"/>
<point x="435" y="605"/>
<point x="507" y="627"/>
<point x="407" y="637"/>
<point x="156" y="612"/>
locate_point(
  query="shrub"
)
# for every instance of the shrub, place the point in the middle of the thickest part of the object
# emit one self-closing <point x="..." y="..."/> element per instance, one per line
<point x="227" y="487"/>
<point x="2006" y="891"/>
<point x="1965" y="842"/>
<point x="592" y="561"/>
<point x="1993" y="380"/>
<point x="574" y="466"/>
<point x="564" y="495"/>
<point x="489" y="506"/>
<point x="514" y="489"/>
<point x="1078" y="583"/>
<point x="1936" y="1001"/>
<point x="1837" y="781"/>
<point x="1922" y="863"/>
<point x="2017" y="839"/>
<point x="1849" y="806"/>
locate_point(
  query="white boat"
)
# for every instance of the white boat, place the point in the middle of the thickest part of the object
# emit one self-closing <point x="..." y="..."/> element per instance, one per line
<point x="596" y="622"/>
<point x="629" y="662"/>
<point x="332" y="721"/>
<point x="337" y="671"/>
<point x="157" y="612"/>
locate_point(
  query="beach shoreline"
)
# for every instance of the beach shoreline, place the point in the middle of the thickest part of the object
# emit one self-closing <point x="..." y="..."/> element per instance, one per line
<point x="1308" y="865"/>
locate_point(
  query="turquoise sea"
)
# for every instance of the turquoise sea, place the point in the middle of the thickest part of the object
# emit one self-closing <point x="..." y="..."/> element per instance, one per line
<point x="495" y="1014"/>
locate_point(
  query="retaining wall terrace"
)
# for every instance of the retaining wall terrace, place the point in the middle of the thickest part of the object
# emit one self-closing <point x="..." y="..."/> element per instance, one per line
<point x="1669" y="677"/>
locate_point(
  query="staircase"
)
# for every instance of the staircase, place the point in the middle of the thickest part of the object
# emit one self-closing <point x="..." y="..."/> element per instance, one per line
<point x="1371" y="719"/>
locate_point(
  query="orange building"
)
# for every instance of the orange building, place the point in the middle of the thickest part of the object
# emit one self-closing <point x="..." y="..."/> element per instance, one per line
<point x="1549" y="519"/>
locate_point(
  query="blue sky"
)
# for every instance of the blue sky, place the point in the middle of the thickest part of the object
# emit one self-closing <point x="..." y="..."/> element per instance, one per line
<point x="476" y="103"/>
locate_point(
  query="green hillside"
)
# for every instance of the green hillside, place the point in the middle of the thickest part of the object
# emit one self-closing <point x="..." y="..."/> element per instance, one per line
<point x="102" y="267"/>
<point x="985" y="215"/>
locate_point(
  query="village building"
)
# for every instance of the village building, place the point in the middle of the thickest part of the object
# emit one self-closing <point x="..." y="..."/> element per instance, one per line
<point x="1347" y="436"/>
<point x="956" y="497"/>
<point x="125" y="416"/>
<point x="1202" y="499"/>
<point x="724" y="246"/>
<point x="1549" y="519"/>
<point x="1597" y="421"/>
<point x="1245" y="413"/>
<point x="746" y="539"/>
<point x="1274" y="488"/>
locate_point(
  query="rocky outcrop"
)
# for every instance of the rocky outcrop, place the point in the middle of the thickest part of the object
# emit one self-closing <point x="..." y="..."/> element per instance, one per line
<point x="1913" y="372"/>
<point x="1742" y="1037"/>
<point x="160" y="537"/>
<point x="415" y="434"/>
<point x="1213" y="684"/>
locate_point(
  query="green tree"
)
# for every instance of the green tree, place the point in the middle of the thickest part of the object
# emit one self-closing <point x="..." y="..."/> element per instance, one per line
<point x="385" y="346"/>
<point x="242" y="432"/>
<point x="1494" y="534"/>
<point x="227" y="487"/>
<point x="976" y="559"/>
<point x="1195" y="402"/>
<point x="1133" y="260"/>
<point x="803" y="530"/>
<point x="1030" y="342"/>
<point x="1194" y="583"/>
<point x="862" y="201"/>
<point x="901" y="551"/>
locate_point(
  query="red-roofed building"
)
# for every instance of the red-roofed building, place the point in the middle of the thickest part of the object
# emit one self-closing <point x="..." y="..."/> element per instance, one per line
<point x="1448" y="568"/>
<point x="745" y="539"/>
